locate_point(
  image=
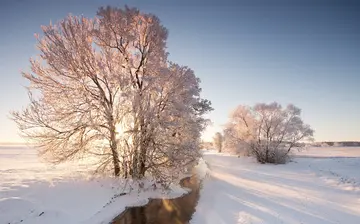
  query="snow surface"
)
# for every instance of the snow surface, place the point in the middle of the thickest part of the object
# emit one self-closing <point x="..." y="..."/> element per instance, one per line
<point x="321" y="185"/>
<point x="34" y="192"/>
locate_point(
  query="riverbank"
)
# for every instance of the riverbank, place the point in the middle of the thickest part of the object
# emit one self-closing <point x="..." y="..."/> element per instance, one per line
<point x="33" y="192"/>
<point x="166" y="211"/>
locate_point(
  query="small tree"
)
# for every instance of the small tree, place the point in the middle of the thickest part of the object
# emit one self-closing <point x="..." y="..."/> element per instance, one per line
<point x="267" y="131"/>
<point x="218" y="141"/>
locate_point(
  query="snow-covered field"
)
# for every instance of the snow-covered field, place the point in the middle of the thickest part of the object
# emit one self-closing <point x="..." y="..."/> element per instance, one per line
<point x="321" y="185"/>
<point x="33" y="192"/>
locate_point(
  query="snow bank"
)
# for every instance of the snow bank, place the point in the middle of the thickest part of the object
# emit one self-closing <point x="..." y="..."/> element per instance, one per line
<point x="201" y="169"/>
<point x="33" y="192"/>
<point x="117" y="205"/>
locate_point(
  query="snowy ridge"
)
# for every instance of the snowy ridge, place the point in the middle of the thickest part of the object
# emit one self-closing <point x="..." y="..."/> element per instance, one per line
<point x="202" y="169"/>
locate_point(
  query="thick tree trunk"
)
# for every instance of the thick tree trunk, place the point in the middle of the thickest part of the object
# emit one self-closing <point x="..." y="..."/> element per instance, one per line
<point x="113" y="147"/>
<point x="134" y="170"/>
<point x="125" y="175"/>
<point x="115" y="154"/>
<point x="142" y="161"/>
<point x="142" y="149"/>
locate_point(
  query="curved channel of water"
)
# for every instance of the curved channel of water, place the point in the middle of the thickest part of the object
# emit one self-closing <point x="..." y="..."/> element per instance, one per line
<point x="164" y="211"/>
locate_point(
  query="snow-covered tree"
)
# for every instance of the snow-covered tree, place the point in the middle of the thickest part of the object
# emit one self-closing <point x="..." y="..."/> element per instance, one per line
<point x="218" y="141"/>
<point x="267" y="131"/>
<point x="338" y="144"/>
<point x="104" y="87"/>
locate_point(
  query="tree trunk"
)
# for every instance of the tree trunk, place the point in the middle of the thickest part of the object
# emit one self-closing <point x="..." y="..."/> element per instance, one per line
<point x="115" y="155"/>
<point x="113" y="147"/>
<point x="134" y="171"/>
<point x="143" y="147"/>
<point x="125" y="169"/>
<point x="142" y="161"/>
<point x="267" y="156"/>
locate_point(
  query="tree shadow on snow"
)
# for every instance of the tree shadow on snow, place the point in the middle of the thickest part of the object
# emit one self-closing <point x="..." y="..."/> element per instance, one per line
<point x="241" y="194"/>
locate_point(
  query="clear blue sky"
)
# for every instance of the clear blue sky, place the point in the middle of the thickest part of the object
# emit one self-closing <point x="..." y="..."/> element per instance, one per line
<point x="301" y="52"/>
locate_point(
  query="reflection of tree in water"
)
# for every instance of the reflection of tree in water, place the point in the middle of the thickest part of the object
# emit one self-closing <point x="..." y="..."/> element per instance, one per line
<point x="164" y="211"/>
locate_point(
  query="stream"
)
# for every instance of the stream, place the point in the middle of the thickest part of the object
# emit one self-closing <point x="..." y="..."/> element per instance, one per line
<point x="164" y="211"/>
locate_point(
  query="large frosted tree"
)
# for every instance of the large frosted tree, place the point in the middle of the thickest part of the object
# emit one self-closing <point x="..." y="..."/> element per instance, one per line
<point x="103" y="86"/>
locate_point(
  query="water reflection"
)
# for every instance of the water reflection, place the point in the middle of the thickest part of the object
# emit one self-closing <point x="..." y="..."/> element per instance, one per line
<point x="164" y="211"/>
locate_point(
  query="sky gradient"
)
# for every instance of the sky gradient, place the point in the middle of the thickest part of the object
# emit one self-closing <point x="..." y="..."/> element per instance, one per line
<point x="304" y="52"/>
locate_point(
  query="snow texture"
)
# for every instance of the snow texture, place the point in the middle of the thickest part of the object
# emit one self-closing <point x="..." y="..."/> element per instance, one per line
<point x="33" y="192"/>
<point x="321" y="185"/>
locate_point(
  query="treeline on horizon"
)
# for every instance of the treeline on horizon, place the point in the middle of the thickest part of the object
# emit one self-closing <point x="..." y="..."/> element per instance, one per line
<point x="206" y="144"/>
<point x="338" y="144"/>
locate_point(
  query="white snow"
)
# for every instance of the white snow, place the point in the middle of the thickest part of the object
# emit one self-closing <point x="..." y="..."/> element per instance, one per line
<point x="33" y="192"/>
<point x="201" y="169"/>
<point x="321" y="185"/>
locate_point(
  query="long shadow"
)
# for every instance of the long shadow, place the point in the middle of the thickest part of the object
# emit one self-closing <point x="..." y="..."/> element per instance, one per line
<point x="279" y="177"/>
<point x="261" y="206"/>
<point x="294" y="183"/>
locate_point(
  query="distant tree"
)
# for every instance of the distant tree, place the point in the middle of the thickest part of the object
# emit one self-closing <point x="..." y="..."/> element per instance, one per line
<point x="104" y="87"/>
<point x="267" y="131"/>
<point x="337" y="144"/>
<point x="325" y="144"/>
<point x="218" y="141"/>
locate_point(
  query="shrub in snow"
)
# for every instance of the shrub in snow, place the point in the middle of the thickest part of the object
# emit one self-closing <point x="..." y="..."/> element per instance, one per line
<point x="267" y="131"/>
<point x="270" y="155"/>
